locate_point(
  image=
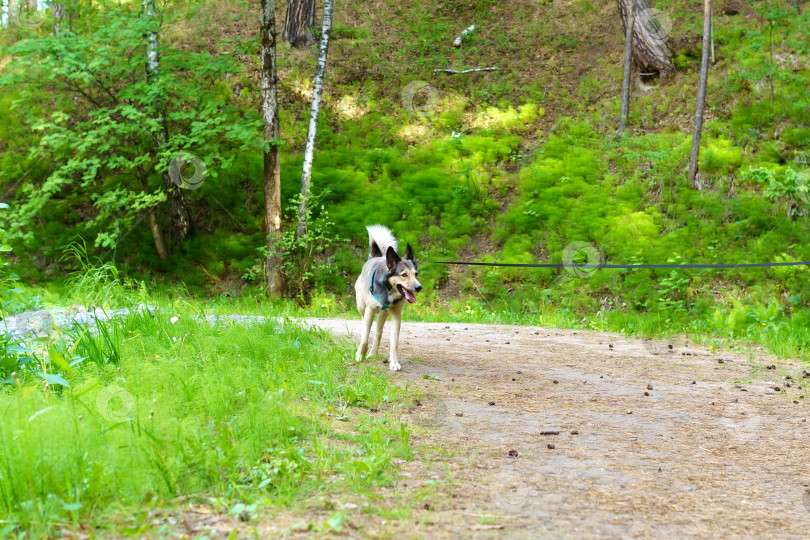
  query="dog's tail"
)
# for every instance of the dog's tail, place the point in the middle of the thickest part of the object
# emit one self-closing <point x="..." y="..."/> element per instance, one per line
<point x="379" y="240"/>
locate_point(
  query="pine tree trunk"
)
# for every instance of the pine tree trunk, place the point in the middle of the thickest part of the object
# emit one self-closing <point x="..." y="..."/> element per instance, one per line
<point x="306" y="176"/>
<point x="651" y="50"/>
<point x="272" y="164"/>
<point x="694" y="177"/>
<point x="628" y="54"/>
<point x="180" y="221"/>
<point x="300" y="22"/>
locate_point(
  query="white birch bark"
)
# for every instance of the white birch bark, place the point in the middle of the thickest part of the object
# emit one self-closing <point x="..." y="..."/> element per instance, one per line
<point x="151" y="42"/>
<point x="317" y="91"/>
<point x="457" y="41"/>
<point x="463" y="71"/>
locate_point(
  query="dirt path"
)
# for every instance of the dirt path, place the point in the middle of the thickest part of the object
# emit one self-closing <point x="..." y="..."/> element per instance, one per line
<point x="655" y="439"/>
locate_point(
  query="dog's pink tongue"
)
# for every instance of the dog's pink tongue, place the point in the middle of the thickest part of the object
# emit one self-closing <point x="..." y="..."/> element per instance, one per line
<point x="408" y="295"/>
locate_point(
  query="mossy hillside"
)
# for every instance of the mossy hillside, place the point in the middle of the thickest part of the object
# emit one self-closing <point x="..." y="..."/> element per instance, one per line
<point x="514" y="165"/>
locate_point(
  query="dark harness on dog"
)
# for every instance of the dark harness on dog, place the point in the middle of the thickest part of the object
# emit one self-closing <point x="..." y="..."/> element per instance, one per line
<point x="371" y="290"/>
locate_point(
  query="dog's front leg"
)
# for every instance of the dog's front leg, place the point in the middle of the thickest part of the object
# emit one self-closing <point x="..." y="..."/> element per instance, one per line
<point x="368" y="318"/>
<point x="378" y="333"/>
<point x="396" y="319"/>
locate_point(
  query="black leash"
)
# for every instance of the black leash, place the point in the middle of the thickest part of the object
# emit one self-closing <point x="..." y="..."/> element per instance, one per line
<point x="625" y="266"/>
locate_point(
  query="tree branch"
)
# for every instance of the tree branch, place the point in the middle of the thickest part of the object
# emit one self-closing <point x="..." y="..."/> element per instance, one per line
<point x="457" y="41"/>
<point x="463" y="71"/>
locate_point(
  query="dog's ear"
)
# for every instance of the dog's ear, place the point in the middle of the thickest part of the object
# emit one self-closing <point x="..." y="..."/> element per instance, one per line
<point x="375" y="250"/>
<point x="409" y="253"/>
<point x="391" y="258"/>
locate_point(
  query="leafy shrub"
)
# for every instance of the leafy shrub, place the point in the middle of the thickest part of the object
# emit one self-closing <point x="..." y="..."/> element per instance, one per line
<point x="789" y="185"/>
<point x="304" y="261"/>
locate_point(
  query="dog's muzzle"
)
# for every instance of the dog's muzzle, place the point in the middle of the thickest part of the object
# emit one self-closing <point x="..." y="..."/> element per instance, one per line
<point x="408" y="294"/>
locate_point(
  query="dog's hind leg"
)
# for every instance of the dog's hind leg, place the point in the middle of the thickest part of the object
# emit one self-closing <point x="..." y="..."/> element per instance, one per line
<point x="396" y="319"/>
<point x="368" y="318"/>
<point x="378" y="332"/>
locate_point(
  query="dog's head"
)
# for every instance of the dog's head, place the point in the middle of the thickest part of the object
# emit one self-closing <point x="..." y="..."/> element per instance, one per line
<point x="402" y="273"/>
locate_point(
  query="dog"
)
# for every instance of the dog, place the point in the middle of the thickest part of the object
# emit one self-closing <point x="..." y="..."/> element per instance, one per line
<point x="385" y="283"/>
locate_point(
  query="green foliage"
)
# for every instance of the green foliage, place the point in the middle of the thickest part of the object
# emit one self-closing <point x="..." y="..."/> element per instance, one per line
<point x="110" y="131"/>
<point x="764" y="84"/>
<point x="674" y="289"/>
<point x="9" y="292"/>
<point x="784" y="185"/>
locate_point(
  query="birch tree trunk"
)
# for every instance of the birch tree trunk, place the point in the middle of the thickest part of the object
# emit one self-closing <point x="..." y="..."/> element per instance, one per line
<point x="272" y="164"/>
<point x="152" y="75"/>
<point x="628" y="55"/>
<point x="300" y="22"/>
<point x="61" y="15"/>
<point x="6" y="9"/>
<point x="157" y="236"/>
<point x="317" y="90"/>
<point x="180" y="221"/>
<point x="694" y="177"/>
<point x="58" y="13"/>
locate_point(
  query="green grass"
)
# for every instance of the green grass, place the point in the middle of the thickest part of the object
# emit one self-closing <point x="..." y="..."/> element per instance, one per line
<point x="780" y="330"/>
<point x="270" y="415"/>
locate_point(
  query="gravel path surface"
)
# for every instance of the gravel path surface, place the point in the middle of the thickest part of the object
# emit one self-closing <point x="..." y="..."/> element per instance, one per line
<point x="565" y="433"/>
